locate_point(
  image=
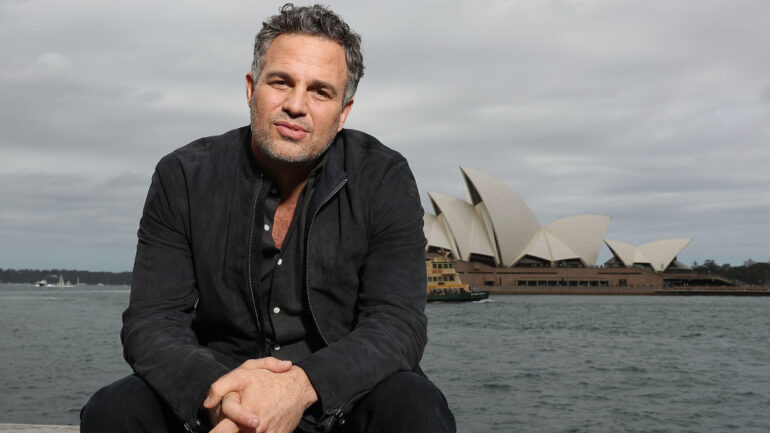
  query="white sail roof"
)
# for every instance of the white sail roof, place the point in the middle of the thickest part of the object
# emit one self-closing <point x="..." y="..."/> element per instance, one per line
<point x="538" y="247"/>
<point x="464" y="229"/>
<point x="583" y="235"/>
<point x="434" y="232"/>
<point x="622" y="251"/>
<point x="546" y="246"/>
<point x="513" y="223"/>
<point x="559" y="249"/>
<point x="661" y="253"/>
<point x="658" y="254"/>
<point x="495" y="222"/>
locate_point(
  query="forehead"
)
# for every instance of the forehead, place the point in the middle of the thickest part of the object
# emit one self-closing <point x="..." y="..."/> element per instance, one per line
<point x="306" y="55"/>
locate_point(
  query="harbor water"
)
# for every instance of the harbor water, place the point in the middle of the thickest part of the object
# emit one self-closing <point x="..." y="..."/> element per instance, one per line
<point x="510" y="364"/>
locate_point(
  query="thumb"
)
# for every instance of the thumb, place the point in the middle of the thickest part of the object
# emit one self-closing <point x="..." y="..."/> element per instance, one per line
<point x="232" y="381"/>
<point x="269" y="363"/>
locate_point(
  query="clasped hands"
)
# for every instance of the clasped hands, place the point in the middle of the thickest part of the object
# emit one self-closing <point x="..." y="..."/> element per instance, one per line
<point x="263" y="395"/>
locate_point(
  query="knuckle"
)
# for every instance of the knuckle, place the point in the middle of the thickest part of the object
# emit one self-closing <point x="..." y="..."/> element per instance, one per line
<point x="229" y="400"/>
<point x="241" y="377"/>
<point x="227" y="426"/>
<point x="216" y="390"/>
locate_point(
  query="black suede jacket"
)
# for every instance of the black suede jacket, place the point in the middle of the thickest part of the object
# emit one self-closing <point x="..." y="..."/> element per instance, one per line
<point x="192" y="315"/>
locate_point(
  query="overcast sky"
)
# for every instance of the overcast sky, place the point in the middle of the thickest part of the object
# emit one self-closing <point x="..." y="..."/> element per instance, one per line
<point x="654" y="113"/>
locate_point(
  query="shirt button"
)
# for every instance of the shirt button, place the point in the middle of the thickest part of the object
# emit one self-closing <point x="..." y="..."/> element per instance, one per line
<point x="267" y="227"/>
<point x="273" y="191"/>
<point x="276" y="310"/>
<point x="280" y="261"/>
<point x="277" y="347"/>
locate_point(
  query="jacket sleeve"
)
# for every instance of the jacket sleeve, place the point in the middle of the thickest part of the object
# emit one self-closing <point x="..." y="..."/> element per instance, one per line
<point x="391" y="329"/>
<point x="158" y="341"/>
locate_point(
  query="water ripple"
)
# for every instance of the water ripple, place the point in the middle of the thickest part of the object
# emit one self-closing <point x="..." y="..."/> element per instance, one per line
<point x="604" y="364"/>
<point x="517" y="363"/>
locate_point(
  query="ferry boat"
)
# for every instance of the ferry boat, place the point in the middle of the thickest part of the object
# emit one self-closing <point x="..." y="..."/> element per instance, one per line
<point x="444" y="284"/>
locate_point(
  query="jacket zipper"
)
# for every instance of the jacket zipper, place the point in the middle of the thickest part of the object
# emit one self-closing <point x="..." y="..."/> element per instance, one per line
<point x="307" y="256"/>
<point x="249" y="258"/>
<point x="338" y="413"/>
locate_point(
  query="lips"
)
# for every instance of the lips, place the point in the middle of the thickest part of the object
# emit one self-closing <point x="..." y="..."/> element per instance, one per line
<point x="290" y="130"/>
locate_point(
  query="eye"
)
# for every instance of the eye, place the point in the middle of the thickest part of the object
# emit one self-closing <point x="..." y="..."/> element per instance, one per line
<point x="322" y="94"/>
<point x="279" y="83"/>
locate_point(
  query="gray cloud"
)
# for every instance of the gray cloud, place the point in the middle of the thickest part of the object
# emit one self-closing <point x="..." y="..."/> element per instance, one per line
<point x="765" y="94"/>
<point x="53" y="215"/>
<point x="647" y="112"/>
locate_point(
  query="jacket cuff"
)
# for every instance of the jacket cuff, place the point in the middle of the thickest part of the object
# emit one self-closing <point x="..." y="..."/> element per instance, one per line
<point x="319" y="379"/>
<point x="190" y="415"/>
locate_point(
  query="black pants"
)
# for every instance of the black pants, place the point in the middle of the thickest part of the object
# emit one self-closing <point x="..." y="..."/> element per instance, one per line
<point x="404" y="402"/>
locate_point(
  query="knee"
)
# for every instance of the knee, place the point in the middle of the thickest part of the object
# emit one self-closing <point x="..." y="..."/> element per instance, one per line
<point x="407" y="402"/>
<point x="409" y="392"/>
<point x="123" y="406"/>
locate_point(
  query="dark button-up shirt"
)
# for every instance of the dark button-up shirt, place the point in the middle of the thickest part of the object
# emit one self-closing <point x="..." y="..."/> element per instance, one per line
<point x="286" y="325"/>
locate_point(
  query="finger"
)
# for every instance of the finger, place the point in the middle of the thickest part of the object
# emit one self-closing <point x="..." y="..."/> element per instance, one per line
<point x="232" y="409"/>
<point x="272" y="364"/>
<point x="225" y="426"/>
<point x="232" y="381"/>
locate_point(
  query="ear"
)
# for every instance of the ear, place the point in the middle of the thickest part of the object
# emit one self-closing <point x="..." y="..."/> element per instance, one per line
<point x="249" y="87"/>
<point x="344" y="114"/>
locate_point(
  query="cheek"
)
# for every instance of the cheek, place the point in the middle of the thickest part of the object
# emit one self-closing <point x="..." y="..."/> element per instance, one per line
<point x="253" y="107"/>
<point x="259" y="113"/>
<point x="328" y="120"/>
<point x="263" y="100"/>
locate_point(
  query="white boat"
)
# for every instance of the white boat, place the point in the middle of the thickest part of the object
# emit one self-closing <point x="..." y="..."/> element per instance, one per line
<point x="61" y="284"/>
<point x="41" y="283"/>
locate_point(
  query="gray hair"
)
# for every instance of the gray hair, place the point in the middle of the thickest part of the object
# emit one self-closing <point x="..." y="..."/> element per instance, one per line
<point x="316" y="20"/>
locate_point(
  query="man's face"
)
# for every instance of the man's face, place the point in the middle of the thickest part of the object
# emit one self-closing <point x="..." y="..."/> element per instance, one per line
<point x="296" y="102"/>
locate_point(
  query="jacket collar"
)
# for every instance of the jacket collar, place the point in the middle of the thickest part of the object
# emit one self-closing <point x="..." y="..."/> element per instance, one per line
<point x="333" y="175"/>
<point x="248" y="165"/>
<point x="330" y="178"/>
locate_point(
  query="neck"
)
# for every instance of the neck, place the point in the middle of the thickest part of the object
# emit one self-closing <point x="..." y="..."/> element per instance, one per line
<point x="290" y="177"/>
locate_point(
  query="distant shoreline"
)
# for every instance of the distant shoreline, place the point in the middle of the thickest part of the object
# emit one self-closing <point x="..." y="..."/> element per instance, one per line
<point x="51" y="276"/>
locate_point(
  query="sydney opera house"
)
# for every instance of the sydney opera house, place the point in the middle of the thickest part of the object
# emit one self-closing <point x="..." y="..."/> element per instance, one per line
<point x="496" y="240"/>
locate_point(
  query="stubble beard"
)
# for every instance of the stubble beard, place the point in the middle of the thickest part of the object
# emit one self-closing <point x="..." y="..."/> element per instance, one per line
<point x="262" y="140"/>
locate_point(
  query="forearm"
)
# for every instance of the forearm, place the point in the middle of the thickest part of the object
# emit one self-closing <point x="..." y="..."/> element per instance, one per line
<point x="158" y="339"/>
<point x="346" y="370"/>
<point x="390" y="336"/>
<point x="168" y="357"/>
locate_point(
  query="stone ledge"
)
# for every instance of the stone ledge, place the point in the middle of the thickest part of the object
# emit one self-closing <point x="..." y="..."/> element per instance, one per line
<point x="32" y="428"/>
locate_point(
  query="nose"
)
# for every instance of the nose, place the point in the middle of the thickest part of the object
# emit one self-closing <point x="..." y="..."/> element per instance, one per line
<point x="295" y="104"/>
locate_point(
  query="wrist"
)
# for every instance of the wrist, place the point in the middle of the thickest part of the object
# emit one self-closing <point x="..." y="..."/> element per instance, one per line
<point x="306" y="391"/>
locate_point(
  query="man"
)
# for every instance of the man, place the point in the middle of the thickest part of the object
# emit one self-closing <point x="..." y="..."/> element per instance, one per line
<point x="293" y="239"/>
